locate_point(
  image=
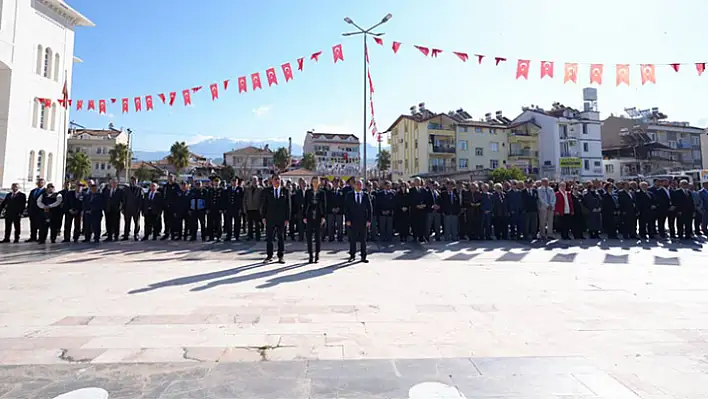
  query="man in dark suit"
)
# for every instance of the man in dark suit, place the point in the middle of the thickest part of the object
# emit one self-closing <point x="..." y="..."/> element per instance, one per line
<point x="114" y="200"/>
<point x="132" y="204"/>
<point x="72" y="212"/>
<point x="14" y="205"/>
<point x="93" y="204"/>
<point x="35" y="214"/>
<point x="275" y="209"/>
<point x="628" y="209"/>
<point x="685" y="210"/>
<point x="358" y="215"/>
<point x="529" y="203"/>
<point x="450" y="208"/>
<point x="646" y="209"/>
<point x="152" y="208"/>
<point x="662" y="200"/>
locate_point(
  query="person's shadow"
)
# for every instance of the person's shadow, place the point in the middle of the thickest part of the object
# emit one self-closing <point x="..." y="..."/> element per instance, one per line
<point x="305" y="275"/>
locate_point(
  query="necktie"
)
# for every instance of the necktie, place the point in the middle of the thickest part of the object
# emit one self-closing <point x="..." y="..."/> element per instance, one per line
<point x="358" y="198"/>
<point x="152" y="195"/>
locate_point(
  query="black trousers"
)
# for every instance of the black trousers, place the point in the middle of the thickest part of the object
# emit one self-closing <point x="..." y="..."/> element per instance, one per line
<point x="501" y="227"/>
<point x="113" y="224"/>
<point x="254" y="224"/>
<point x="127" y="218"/>
<point x="70" y="220"/>
<point x="214" y="224"/>
<point x="684" y="223"/>
<point x="313" y="232"/>
<point x="661" y="216"/>
<point x="166" y="219"/>
<point x="153" y="225"/>
<point x="177" y="220"/>
<point x="92" y="225"/>
<point x="232" y="223"/>
<point x="672" y="223"/>
<point x="199" y="216"/>
<point x="14" y="222"/>
<point x="357" y="234"/>
<point x="275" y="231"/>
<point x="51" y="224"/>
<point x="564" y="224"/>
<point x="296" y="225"/>
<point x="629" y="225"/>
<point x="645" y="224"/>
<point x="35" y="223"/>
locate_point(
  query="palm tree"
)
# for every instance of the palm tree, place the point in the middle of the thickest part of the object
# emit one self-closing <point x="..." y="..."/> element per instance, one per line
<point x="308" y="161"/>
<point x="78" y="165"/>
<point x="179" y="156"/>
<point x="281" y="159"/>
<point x="119" y="156"/>
<point x="383" y="160"/>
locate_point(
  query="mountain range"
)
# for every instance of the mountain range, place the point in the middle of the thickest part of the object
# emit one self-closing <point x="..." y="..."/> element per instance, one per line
<point x="214" y="148"/>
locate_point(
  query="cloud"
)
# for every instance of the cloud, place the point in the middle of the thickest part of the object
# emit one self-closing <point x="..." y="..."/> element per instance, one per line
<point x="262" y="110"/>
<point x="198" y="138"/>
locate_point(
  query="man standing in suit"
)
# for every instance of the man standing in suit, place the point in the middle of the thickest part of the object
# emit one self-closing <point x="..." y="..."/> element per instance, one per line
<point x="35" y="214"/>
<point x="114" y="200"/>
<point x="662" y="200"/>
<point x="72" y="212"/>
<point x="132" y="204"/>
<point x="14" y="206"/>
<point x="93" y="204"/>
<point x="152" y="207"/>
<point x="450" y="208"/>
<point x="275" y="210"/>
<point x="358" y="215"/>
<point x="685" y="209"/>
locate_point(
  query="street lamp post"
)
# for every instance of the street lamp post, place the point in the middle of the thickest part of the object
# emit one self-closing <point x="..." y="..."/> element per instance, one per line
<point x="365" y="33"/>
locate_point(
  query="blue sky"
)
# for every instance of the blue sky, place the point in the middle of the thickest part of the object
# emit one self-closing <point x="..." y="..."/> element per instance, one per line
<point x="143" y="47"/>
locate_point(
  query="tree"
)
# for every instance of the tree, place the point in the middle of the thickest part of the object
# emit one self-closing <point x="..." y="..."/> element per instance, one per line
<point x="227" y="173"/>
<point x="499" y="175"/>
<point x="383" y="160"/>
<point x="308" y="161"/>
<point x="78" y="165"/>
<point x="119" y="158"/>
<point x="281" y="159"/>
<point x="179" y="156"/>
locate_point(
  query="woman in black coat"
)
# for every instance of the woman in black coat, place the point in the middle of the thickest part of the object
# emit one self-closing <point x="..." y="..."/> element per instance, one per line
<point x="401" y="212"/>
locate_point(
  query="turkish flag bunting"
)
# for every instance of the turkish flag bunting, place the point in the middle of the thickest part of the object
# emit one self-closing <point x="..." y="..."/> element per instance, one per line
<point x="546" y="69"/>
<point x="173" y="96"/>
<point x="187" y="96"/>
<point x="622" y="74"/>
<point x="61" y="102"/>
<point x="242" y="85"/>
<point x="395" y="46"/>
<point x="316" y="56"/>
<point x="371" y="85"/>
<point x="124" y="105"/>
<point x="70" y="100"/>
<point x="463" y="56"/>
<point x="148" y="103"/>
<point x="497" y="60"/>
<point x="214" y="91"/>
<point x="480" y="57"/>
<point x="226" y="84"/>
<point x="47" y="102"/>
<point x="113" y="100"/>
<point x="79" y="105"/>
<point x="648" y="73"/>
<point x="378" y="41"/>
<point x="596" y="73"/>
<point x="435" y="52"/>
<point x="101" y="106"/>
<point x="522" y="69"/>
<point x="272" y="77"/>
<point x="196" y="89"/>
<point x="337" y="53"/>
<point x="287" y="71"/>
<point x="162" y="97"/>
<point x="423" y="50"/>
<point x="571" y="72"/>
<point x="700" y="67"/>
<point x="676" y="66"/>
<point x="91" y="104"/>
<point x="256" y="80"/>
<point x="138" y="104"/>
<point x="300" y="63"/>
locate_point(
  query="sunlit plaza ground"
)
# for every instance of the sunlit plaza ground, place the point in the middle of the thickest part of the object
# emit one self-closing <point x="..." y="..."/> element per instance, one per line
<point x="586" y="320"/>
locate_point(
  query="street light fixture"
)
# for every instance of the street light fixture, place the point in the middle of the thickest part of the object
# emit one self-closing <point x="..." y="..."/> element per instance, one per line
<point x="365" y="33"/>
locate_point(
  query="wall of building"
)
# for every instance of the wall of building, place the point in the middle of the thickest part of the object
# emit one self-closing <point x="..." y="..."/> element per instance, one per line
<point x="484" y="149"/>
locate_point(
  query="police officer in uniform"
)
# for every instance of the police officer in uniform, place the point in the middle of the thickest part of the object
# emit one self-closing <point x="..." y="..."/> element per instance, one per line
<point x="152" y="207"/>
<point x="197" y="210"/>
<point x="232" y="209"/>
<point x="314" y="217"/>
<point x="179" y="211"/>
<point x="215" y="209"/>
<point x="169" y="192"/>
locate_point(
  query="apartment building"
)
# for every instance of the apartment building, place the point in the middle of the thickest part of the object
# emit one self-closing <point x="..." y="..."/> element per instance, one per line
<point x="251" y="161"/>
<point x="570" y="140"/>
<point x="643" y="142"/>
<point x="335" y="154"/>
<point x="96" y="144"/>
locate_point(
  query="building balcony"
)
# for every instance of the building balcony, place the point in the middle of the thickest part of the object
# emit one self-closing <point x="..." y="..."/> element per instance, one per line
<point x="525" y="153"/>
<point x="442" y="149"/>
<point x="569" y="154"/>
<point x="441" y="168"/>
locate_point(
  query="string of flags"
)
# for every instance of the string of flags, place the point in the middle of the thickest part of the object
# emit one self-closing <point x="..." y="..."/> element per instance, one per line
<point x="372" y="124"/>
<point x="170" y="98"/>
<point x="570" y="69"/>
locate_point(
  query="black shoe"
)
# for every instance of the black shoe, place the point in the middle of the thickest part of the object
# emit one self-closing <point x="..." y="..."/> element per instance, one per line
<point x="86" y="240"/>
<point x="31" y="240"/>
<point x="53" y="241"/>
<point x="41" y="242"/>
<point x="125" y="238"/>
<point x="227" y="238"/>
<point x="351" y="259"/>
<point x="281" y="260"/>
<point x="364" y="260"/>
<point x="5" y="241"/>
<point x="76" y="240"/>
<point x="312" y="260"/>
<point x="65" y="240"/>
<point x="109" y="239"/>
<point x="155" y="238"/>
<point x="317" y="258"/>
<point x="96" y="241"/>
<point x="17" y="240"/>
<point x="145" y="238"/>
<point x="268" y="259"/>
<point x="163" y="237"/>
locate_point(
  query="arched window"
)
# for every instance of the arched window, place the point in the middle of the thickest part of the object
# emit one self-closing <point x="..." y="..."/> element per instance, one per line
<point x="54" y="117"/>
<point x="41" y="163"/>
<point x="42" y="116"/>
<point x="40" y="59"/>
<point x="31" y="166"/>
<point x="35" y="113"/>
<point x="48" y="63"/>
<point x="50" y="166"/>
<point x="57" y="67"/>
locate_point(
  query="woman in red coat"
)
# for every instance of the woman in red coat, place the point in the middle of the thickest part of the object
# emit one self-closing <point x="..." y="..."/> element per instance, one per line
<point x="564" y="210"/>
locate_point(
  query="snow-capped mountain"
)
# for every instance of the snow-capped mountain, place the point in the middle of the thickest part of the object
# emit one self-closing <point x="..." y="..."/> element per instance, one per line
<point x="216" y="147"/>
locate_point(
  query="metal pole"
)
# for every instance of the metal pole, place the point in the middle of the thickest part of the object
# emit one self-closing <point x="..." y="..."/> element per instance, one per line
<point x="129" y="158"/>
<point x="365" y="127"/>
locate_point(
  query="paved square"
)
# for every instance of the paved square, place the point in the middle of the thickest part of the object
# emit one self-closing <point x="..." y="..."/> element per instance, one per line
<point x="588" y="319"/>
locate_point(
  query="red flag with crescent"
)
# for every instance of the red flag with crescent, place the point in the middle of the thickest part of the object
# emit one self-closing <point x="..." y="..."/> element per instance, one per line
<point x="226" y="84"/>
<point x="256" y="80"/>
<point x="546" y="69"/>
<point x="242" y="85"/>
<point x="187" y="97"/>
<point x="173" y="97"/>
<point x="91" y="105"/>
<point x="124" y="105"/>
<point x="596" y="73"/>
<point x="300" y="63"/>
<point x="272" y="77"/>
<point x="138" y="104"/>
<point x="214" y="88"/>
<point x="395" y="46"/>
<point x="337" y="53"/>
<point x="148" y="103"/>
<point x="101" y="106"/>
<point x="162" y="97"/>
<point x="287" y="71"/>
<point x="700" y="67"/>
<point x="571" y="72"/>
<point x="463" y="56"/>
<point x="522" y="69"/>
<point x="648" y="73"/>
<point x="79" y="105"/>
<point x="622" y="74"/>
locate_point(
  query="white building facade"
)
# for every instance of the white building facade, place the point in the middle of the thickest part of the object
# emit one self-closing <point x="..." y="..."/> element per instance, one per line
<point x="570" y="141"/>
<point x="335" y="154"/>
<point x="36" y="58"/>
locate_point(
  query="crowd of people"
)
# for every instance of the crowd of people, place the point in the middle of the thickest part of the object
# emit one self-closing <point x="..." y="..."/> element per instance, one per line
<point x="421" y="210"/>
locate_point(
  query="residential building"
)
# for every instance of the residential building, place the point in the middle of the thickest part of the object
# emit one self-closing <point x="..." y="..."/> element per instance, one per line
<point x="335" y="154"/>
<point x="704" y="149"/>
<point x="570" y="142"/>
<point x="198" y="168"/>
<point x="251" y="161"/>
<point x="96" y="144"/>
<point x="644" y="143"/>
<point x="523" y="147"/>
<point x="36" y="58"/>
